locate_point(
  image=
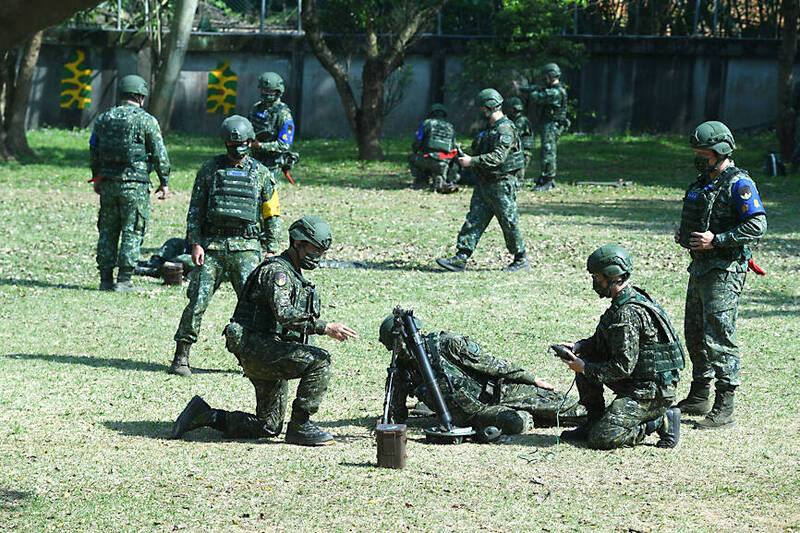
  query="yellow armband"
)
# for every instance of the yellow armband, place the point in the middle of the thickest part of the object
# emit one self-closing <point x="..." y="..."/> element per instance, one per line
<point x="272" y="208"/>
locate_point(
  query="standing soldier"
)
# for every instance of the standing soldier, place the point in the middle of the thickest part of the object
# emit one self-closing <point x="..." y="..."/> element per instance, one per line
<point x="722" y="215"/>
<point x="524" y="129"/>
<point x="550" y="120"/>
<point x="233" y="216"/>
<point x="125" y="145"/>
<point x="269" y="333"/>
<point x="434" y="152"/>
<point x="274" y="126"/>
<point x="635" y="352"/>
<point x="498" y="164"/>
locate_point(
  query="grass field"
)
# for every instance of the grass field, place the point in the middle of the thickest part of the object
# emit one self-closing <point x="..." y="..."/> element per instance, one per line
<point x="86" y="403"/>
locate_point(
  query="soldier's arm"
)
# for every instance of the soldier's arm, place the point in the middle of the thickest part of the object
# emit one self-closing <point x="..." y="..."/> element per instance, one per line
<point x="400" y="392"/>
<point x="753" y="217"/>
<point x="198" y="205"/>
<point x="154" y="143"/>
<point x="270" y="236"/>
<point x="470" y="354"/>
<point x="419" y="135"/>
<point x="94" y="160"/>
<point x="545" y="96"/>
<point x="285" y="134"/>
<point x="622" y="338"/>
<point x="499" y="152"/>
<point x="278" y="294"/>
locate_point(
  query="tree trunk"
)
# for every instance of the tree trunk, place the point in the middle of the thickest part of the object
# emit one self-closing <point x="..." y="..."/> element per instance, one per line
<point x="18" y="94"/>
<point x="786" y="56"/>
<point x="167" y="77"/>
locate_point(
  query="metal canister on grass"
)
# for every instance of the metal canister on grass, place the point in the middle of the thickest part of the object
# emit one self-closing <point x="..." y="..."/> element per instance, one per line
<point x="172" y="273"/>
<point x="391" y="440"/>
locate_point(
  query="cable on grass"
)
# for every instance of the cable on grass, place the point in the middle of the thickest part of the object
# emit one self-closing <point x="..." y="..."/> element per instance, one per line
<point x="540" y="456"/>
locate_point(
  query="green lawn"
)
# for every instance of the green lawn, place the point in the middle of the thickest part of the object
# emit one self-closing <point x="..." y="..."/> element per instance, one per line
<point x="86" y="403"/>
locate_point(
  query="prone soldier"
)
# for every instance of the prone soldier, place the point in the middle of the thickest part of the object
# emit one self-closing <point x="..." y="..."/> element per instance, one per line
<point x="125" y="145"/>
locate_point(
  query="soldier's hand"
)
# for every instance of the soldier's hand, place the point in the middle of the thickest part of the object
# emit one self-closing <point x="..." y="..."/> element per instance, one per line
<point x="255" y="144"/>
<point x="575" y="364"/>
<point x="569" y="345"/>
<point x="340" y="332"/>
<point x="96" y="185"/>
<point x="164" y="190"/>
<point x="701" y="241"/>
<point x="198" y="255"/>
<point x="677" y="236"/>
<point x="465" y="161"/>
<point x="543" y="384"/>
<point x="267" y="254"/>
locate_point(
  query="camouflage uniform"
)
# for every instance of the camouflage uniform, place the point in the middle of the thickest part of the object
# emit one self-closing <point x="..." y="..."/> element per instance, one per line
<point x="498" y="164"/>
<point x="274" y="127"/>
<point x="730" y="207"/>
<point x="232" y="251"/>
<point x="479" y="389"/>
<point x="550" y="119"/>
<point x="525" y="131"/>
<point x="434" y="138"/>
<point x="277" y="311"/>
<point x="635" y="352"/>
<point x="174" y="250"/>
<point x="125" y="145"/>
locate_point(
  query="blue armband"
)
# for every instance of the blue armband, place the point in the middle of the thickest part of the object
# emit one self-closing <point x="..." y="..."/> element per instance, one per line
<point x="93" y="140"/>
<point x="418" y="134"/>
<point x="745" y="196"/>
<point x="286" y="134"/>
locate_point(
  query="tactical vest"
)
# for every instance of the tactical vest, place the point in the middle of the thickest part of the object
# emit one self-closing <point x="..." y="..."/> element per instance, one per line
<point x="252" y="314"/>
<point x="458" y="384"/>
<point x="233" y="199"/>
<point x="515" y="160"/>
<point x="119" y="139"/>
<point x="656" y="362"/>
<point x="264" y="123"/>
<point x="554" y="113"/>
<point x="440" y="136"/>
<point x="696" y="216"/>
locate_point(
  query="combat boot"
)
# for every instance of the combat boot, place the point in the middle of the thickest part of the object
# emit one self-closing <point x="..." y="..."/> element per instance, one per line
<point x="721" y="415"/>
<point x="149" y="268"/>
<point x="124" y="283"/>
<point x="545" y="185"/>
<point x="180" y="363"/>
<point x="579" y="433"/>
<point x="307" y="434"/>
<point x="197" y="414"/>
<point x="519" y="263"/>
<point x="670" y="428"/>
<point x="697" y="402"/>
<point x="457" y="263"/>
<point x="448" y="188"/>
<point x="107" y="280"/>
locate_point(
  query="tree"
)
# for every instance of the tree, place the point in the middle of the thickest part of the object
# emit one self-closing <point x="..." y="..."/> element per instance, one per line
<point x="22" y="18"/>
<point x="166" y="78"/>
<point x="790" y="9"/>
<point x="15" y="86"/>
<point x="390" y="27"/>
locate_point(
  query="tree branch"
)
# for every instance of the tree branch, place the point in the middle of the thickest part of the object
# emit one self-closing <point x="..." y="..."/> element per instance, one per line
<point x="397" y="49"/>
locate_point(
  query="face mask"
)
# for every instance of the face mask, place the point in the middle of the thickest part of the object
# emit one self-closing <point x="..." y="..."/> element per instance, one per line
<point x="597" y="286"/>
<point x="310" y="261"/>
<point x="269" y="96"/>
<point x="238" y="151"/>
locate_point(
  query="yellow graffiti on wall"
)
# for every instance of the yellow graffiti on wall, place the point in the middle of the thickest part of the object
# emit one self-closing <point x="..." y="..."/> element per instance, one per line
<point x="76" y="83"/>
<point x="221" y="89"/>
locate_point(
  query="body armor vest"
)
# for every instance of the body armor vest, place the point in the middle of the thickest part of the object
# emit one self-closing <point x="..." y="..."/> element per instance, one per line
<point x="253" y="315"/>
<point x="264" y="123"/>
<point x="233" y="199"/>
<point x="656" y="362"/>
<point x="696" y="216"/>
<point x="516" y="157"/>
<point x="119" y="140"/>
<point x="440" y="137"/>
<point x="554" y="113"/>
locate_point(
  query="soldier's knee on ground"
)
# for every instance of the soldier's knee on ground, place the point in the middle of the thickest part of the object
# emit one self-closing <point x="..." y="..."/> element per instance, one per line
<point x="605" y="437"/>
<point x="241" y="425"/>
<point x="513" y="422"/>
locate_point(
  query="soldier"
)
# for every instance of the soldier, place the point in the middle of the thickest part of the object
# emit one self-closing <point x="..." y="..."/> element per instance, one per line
<point x="434" y="151"/>
<point x="498" y="164"/>
<point x="233" y="216"/>
<point x="277" y="311"/>
<point x="125" y="144"/>
<point x="722" y="216"/>
<point x="635" y="352"/>
<point x="274" y="126"/>
<point x="174" y="250"/>
<point x="550" y="121"/>
<point x="480" y="390"/>
<point x="524" y="129"/>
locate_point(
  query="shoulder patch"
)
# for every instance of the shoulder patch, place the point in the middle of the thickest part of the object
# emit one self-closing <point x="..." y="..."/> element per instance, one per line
<point x="506" y="138"/>
<point x="745" y="196"/>
<point x="287" y="132"/>
<point x="280" y="279"/>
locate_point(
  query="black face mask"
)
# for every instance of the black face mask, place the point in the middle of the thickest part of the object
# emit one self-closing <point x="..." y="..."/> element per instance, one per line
<point x="602" y="292"/>
<point x="269" y="96"/>
<point x="310" y="261"/>
<point x="238" y="151"/>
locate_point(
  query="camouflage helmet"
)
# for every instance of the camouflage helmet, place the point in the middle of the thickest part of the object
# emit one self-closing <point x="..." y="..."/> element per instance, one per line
<point x="488" y="98"/>
<point x="713" y="135"/>
<point x="611" y="260"/>
<point x="133" y="84"/>
<point x="271" y="81"/>
<point x="385" y="332"/>
<point x="236" y="129"/>
<point x="552" y="69"/>
<point x="313" y="229"/>
<point x="514" y="103"/>
<point x="438" y="110"/>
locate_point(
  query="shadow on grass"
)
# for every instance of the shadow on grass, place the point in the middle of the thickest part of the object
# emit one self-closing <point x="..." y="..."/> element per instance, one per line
<point x="156" y="429"/>
<point x="111" y="362"/>
<point x="16" y="282"/>
<point x="769" y="304"/>
<point x="12" y="500"/>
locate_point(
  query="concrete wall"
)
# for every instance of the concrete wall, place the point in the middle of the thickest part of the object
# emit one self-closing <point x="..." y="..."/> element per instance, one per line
<point x="636" y="84"/>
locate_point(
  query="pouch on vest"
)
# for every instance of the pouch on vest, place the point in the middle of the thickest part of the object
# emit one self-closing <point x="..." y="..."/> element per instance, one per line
<point x="233" y="199"/>
<point x="696" y="213"/>
<point x="440" y="137"/>
<point x="117" y="140"/>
